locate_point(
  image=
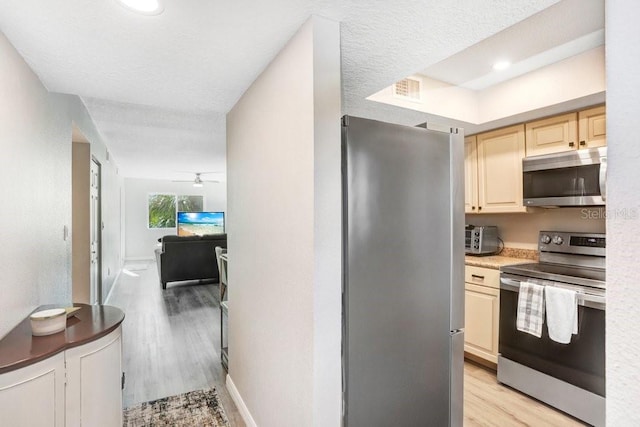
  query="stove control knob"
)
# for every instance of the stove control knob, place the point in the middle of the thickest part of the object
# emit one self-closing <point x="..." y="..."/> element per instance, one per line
<point x="557" y="240"/>
<point x="545" y="239"/>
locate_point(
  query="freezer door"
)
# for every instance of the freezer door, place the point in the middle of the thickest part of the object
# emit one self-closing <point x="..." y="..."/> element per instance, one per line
<point x="457" y="379"/>
<point x="400" y="207"/>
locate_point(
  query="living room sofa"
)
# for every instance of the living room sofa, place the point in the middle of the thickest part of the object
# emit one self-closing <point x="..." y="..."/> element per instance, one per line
<point x="189" y="258"/>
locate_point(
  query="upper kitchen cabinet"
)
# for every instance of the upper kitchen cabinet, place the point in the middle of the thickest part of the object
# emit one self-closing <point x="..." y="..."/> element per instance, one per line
<point x="571" y="131"/>
<point x="500" y="155"/>
<point x="592" y="127"/>
<point x="552" y="135"/>
<point x="470" y="175"/>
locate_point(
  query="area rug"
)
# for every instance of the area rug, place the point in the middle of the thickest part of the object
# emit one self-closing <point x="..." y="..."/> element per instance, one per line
<point x="196" y="408"/>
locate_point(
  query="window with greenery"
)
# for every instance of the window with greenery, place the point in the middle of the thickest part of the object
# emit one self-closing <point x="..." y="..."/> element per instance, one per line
<point x="163" y="208"/>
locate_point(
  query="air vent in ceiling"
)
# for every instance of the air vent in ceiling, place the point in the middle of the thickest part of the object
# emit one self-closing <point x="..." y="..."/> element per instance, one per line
<point x="408" y="88"/>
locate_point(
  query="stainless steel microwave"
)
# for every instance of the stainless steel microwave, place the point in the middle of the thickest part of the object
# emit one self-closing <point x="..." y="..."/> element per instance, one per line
<point x="573" y="178"/>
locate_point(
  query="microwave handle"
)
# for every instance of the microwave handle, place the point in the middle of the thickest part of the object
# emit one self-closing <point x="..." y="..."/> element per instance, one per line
<point x="603" y="178"/>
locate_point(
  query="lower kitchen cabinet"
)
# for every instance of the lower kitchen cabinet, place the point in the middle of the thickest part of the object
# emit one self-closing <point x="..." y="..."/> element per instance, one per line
<point x="482" y="314"/>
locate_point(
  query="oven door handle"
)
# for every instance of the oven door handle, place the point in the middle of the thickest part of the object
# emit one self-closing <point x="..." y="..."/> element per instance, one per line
<point x="509" y="284"/>
<point x="587" y="300"/>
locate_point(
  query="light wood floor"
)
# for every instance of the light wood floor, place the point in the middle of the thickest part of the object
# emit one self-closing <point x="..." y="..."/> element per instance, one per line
<point x="172" y="340"/>
<point x="488" y="403"/>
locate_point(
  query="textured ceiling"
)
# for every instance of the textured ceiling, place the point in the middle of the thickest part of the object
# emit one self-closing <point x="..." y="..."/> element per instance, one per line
<point x="153" y="84"/>
<point x="161" y="143"/>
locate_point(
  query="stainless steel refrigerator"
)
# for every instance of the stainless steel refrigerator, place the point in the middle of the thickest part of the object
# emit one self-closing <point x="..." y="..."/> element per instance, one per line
<point x="403" y="286"/>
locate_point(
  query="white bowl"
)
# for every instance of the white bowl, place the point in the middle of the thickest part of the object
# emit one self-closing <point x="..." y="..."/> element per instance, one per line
<point x="47" y="322"/>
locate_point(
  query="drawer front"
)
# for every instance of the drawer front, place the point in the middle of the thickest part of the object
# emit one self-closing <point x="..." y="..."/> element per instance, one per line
<point x="482" y="276"/>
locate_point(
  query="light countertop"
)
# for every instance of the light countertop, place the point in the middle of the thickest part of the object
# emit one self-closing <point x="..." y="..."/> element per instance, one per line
<point x="494" y="261"/>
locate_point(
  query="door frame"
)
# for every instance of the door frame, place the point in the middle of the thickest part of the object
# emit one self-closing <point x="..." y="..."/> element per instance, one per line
<point x="96" y="221"/>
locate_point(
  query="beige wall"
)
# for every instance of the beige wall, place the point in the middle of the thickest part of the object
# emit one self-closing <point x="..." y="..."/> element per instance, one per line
<point x="623" y="223"/>
<point x="521" y="230"/>
<point x="283" y="162"/>
<point x="573" y="78"/>
<point x="567" y="85"/>
<point x="80" y="222"/>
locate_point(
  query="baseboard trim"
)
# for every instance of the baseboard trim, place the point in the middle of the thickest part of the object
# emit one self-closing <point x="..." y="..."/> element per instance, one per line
<point x="139" y="258"/>
<point x="242" y="408"/>
<point x="115" y="283"/>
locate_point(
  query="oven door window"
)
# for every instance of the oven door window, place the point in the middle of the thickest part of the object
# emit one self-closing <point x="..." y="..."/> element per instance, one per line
<point x="562" y="182"/>
<point x="581" y="362"/>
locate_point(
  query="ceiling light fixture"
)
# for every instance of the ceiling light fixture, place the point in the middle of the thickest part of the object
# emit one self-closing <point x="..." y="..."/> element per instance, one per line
<point x="501" y="65"/>
<point x="145" y="7"/>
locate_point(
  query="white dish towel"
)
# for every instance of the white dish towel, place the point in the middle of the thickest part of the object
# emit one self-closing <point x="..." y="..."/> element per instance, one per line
<point x="562" y="313"/>
<point x="530" y="315"/>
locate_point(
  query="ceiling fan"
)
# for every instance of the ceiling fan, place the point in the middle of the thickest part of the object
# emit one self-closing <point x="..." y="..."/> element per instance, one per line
<point x="198" y="181"/>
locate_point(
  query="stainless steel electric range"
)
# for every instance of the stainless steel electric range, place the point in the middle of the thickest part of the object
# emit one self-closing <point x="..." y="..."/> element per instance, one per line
<point x="570" y="377"/>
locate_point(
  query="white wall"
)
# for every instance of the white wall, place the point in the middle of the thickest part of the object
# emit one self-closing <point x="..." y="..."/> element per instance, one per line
<point x="521" y="230"/>
<point x="623" y="224"/>
<point x="140" y="241"/>
<point x="35" y="186"/>
<point x="283" y="162"/>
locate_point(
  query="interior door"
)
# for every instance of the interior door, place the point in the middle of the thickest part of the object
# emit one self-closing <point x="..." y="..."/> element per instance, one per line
<point x="96" y="232"/>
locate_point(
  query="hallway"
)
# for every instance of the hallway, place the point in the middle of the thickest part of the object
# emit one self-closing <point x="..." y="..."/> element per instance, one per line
<point x="171" y="338"/>
<point x="171" y="342"/>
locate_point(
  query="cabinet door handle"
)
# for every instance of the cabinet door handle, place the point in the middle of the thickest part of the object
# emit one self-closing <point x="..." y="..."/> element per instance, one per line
<point x="571" y="144"/>
<point x="475" y="276"/>
<point x="473" y="208"/>
<point x="479" y="208"/>
<point x="583" y="143"/>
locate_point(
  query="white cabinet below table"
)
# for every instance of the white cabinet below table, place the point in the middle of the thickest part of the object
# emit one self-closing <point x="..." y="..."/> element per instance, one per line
<point x="94" y="387"/>
<point x="80" y="386"/>
<point x="34" y="395"/>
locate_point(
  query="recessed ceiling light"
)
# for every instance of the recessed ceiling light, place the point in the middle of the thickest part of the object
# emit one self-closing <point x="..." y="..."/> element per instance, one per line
<point x="146" y="7"/>
<point x="501" y="65"/>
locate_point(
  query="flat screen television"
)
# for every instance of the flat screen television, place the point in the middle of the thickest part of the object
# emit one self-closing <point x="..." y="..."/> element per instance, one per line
<point x="200" y="223"/>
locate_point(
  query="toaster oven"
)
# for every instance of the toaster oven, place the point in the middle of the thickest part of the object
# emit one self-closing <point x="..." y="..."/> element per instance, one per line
<point x="481" y="240"/>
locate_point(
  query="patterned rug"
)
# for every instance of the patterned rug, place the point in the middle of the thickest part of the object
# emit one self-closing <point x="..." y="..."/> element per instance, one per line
<point x="196" y="408"/>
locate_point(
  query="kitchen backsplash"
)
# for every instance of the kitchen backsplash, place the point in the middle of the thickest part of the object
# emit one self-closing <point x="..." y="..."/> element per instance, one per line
<point x="520" y="231"/>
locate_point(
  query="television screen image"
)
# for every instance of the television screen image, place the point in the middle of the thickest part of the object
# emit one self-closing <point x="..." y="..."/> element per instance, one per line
<point x="200" y="223"/>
